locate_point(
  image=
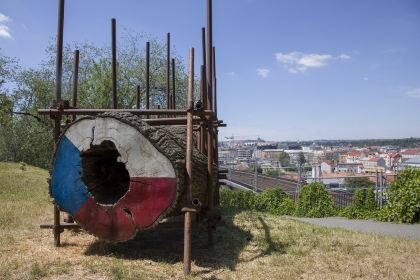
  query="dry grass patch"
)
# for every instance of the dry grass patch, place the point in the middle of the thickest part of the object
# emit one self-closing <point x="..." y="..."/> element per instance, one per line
<point x="252" y="246"/>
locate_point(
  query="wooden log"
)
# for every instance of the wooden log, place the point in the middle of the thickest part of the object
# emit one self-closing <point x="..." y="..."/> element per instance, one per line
<point x="117" y="175"/>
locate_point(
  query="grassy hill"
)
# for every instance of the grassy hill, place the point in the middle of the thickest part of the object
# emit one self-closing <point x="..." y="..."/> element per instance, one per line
<point x="253" y="245"/>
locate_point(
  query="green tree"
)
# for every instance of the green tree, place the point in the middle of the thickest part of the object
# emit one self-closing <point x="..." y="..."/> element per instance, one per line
<point x="301" y="158"/>
<point x="362" y="182"/>
<point x="284" y="159"/>
<point x="27" y="136"/>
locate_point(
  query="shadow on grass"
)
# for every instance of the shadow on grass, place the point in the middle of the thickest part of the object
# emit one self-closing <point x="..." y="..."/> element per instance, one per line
<point x="167" y="245"/>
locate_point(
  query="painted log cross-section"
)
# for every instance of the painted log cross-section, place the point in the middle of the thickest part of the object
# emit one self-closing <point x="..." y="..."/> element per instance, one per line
<point x="116" y="175"/>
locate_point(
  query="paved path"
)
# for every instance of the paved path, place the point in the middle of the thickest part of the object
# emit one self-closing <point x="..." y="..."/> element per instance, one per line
<point x="384" y="228"/>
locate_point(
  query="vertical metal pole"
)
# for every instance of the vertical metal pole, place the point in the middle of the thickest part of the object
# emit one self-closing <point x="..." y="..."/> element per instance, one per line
<point x="57" y="121"/>
<point x="214" y="83"/>
<point x="210" y="191"/>
<point x="74" y="83"/>
<point x="147" y="77"/>
<point x="114" y="64"/>
<point x="167" y="69"/>
<point x="59" y="57"/>
<point x="173" y="85"/>
<point x="188" y="215"/>
<point x="376" y="187"/>
<point x="204" y="89"/>
<point x="382" y="190"/>
<point x="209" y="57"/>
<point x="137" y="97"/>
<point x="204" y="76"/>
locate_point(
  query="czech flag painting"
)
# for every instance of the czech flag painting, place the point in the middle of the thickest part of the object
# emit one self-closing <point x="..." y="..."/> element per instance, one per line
<point x="152" y="179"/>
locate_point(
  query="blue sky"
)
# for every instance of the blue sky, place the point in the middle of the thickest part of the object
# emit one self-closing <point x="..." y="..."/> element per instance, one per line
<point x="286" y="70"/>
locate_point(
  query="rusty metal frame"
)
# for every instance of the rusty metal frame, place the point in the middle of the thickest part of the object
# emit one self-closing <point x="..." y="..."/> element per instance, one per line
<point x="201" y="117"/>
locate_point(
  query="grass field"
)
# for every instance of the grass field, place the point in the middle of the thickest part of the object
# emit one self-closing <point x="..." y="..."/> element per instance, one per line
<point x="252" y="246"/>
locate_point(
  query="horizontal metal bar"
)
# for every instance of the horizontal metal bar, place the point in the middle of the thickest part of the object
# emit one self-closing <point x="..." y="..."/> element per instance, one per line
<point x="161" y="225"/>
<point x="157" y="112"/>
<point x="62" y="225"/>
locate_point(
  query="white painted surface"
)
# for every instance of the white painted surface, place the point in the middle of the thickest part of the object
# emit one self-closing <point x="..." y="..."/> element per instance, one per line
<point x="141" y="158"/>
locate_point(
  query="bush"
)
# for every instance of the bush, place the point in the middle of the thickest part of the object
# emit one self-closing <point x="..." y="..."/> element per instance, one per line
<point x="403" y="205"/>
<point x="315" y="202"/>
<point x="364" y="206"/>
<point x="273" y="201"/>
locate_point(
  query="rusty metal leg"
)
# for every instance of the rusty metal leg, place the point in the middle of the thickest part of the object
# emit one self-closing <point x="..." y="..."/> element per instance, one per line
<point x="187" y="243"/>
<point x="56" y="228"/>
<point x="188" y="160"/>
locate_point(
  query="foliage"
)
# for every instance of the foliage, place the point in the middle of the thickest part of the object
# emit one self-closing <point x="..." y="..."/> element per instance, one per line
<point x="27" y="136"/>
<point x="403" y="143"/>
<point x="259" y="169"/>
<point x="403" y="205"/>
<point x="364" y="205"/>
<point x="271" y="171"/>
<point x="362" y="182"/>
<point x="273" y="201"/>
<point x="301" y="158"/>
<point x="284" y="159"/>
<point x="314" y="202"/>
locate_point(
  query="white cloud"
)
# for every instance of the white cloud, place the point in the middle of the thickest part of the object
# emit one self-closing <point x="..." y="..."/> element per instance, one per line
<point x="344" y="56"/>
<point x="302" y="61"/>
<point x="231" y="73"/>
<point x="365" y="79"/>
<point x="263" y="72"/>
<point x="414" y="93"/>
<point x="4" y="30"/>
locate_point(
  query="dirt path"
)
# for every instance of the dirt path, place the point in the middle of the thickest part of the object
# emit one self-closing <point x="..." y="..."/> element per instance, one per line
<point x="384" y="228"/>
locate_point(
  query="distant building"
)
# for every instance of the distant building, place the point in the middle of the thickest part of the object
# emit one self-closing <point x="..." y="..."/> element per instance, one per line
<point x="347" y="167"/>
<point x="373" y="164"/>
<point x="355" y="156"/>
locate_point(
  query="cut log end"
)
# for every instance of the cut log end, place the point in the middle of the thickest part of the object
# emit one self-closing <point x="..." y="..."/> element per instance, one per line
<point x="116" y="175"/>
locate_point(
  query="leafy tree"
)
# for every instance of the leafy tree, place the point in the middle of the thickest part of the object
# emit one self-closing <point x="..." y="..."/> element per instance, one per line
<point x="301" y="158"/>
<point x="362" y="182"/>
<point x="284" y="159"/>
<point x="26" y="136"/>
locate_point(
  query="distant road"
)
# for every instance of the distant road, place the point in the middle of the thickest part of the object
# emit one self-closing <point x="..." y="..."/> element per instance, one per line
<point x="383" y="228"/>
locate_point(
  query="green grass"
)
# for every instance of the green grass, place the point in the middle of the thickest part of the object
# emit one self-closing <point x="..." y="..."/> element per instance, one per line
<point x="253" y="245"/>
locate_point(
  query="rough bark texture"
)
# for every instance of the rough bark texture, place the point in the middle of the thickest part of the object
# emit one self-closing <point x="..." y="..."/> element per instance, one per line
<point x="114" y="203"/>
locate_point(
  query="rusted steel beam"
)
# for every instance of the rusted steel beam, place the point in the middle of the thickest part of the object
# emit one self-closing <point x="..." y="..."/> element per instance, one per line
<point x="188" y="214"/>
<point x="173" y="85"/>
<point x="114" y="64"/>
<point x="168" y="57"/>
<point x="59" y="56"/>
<point x="161" y="225"/>
<point x="209" y="56"/>
<point x="147" y="77"/>
<point x="158" y="112"/>
<point x="59" y="102"/>
<point x="137" y="97"/>
<point x="75" y="81"/>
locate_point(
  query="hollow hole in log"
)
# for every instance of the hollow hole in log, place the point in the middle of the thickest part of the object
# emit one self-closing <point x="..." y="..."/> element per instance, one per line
<point x="106" y="179"/>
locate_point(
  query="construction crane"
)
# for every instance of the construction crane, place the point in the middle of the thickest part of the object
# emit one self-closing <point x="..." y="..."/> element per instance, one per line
<point x="241" y="136"/>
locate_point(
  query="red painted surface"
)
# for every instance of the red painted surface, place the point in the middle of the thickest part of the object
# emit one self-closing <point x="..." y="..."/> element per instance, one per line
<point x="146" y="200"/>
